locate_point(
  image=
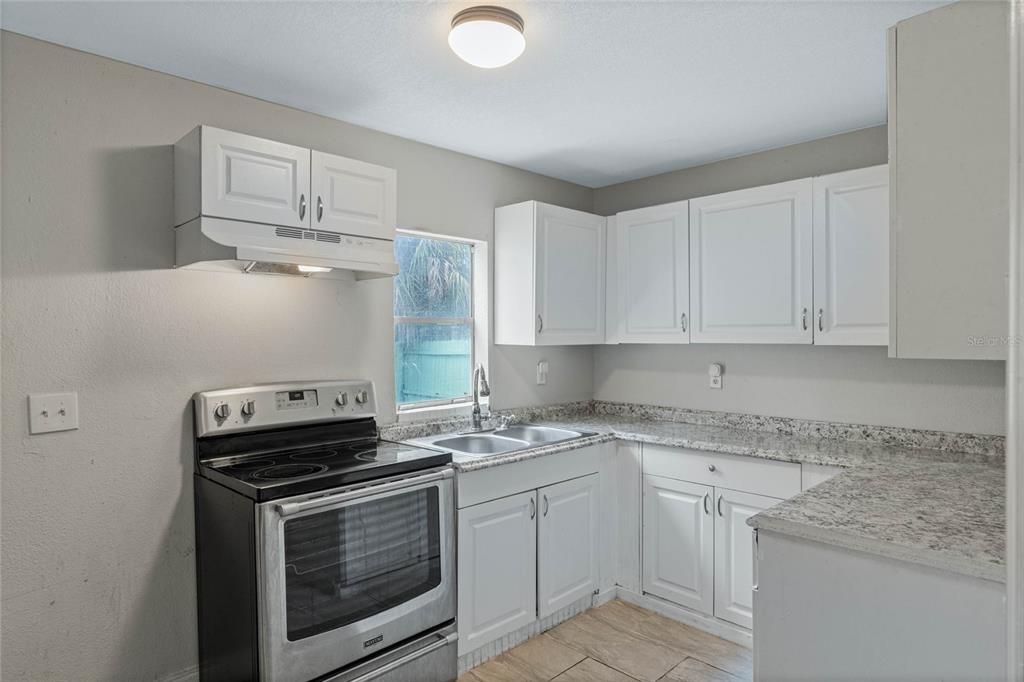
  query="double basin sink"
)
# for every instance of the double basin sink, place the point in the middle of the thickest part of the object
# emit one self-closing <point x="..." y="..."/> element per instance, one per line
<point x="509" y="439"/>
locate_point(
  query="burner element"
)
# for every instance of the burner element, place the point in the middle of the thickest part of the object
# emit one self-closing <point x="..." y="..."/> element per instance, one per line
<point x="367" y="455"/>
<point x="279" y="471"/>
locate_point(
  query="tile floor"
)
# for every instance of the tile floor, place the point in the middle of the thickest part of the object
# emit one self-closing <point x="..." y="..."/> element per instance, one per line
<point x="619" y="642"/>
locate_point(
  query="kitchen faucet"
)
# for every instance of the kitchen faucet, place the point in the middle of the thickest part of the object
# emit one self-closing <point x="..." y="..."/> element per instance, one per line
<point x="480" y="388"/>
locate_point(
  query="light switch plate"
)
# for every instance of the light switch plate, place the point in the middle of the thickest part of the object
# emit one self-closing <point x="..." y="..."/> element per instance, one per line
<point x="48" y="412"/>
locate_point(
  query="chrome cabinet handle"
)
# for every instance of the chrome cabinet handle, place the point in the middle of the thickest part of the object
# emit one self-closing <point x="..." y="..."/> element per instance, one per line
<point x="720" y="506"/>
<point x="805" y="319"/>
<point x="540" y="324"/>
<point x="706" y="510"/>
<point x="821" y="311"/>
<point x="756" y="547"/>
<point x="682" y="321"/>
<point x="546" y="505"/>
<point x="319" y="209"/>
<point x="302" y="206"/>
<point x="533" y="509"/>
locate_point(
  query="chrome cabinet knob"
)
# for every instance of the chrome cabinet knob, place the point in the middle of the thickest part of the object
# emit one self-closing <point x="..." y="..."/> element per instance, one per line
<point x="248" y="408"/>
<point x="342" y="399"/>
<point x="361" y="397"/>
<point x="222" y="411"/>
<point x="711" y="467"/>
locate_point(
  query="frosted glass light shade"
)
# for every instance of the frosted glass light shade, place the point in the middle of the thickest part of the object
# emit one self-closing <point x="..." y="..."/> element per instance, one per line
<point x="487" y="37"/>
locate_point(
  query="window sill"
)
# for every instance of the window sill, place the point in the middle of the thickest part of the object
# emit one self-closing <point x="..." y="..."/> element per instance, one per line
<point x="418" y="414"/>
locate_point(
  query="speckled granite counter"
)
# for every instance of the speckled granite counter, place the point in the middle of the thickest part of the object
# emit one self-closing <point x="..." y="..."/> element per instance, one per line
<point x="941" y="508"/>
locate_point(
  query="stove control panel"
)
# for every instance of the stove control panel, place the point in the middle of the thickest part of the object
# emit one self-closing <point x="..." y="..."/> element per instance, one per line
<point x="232" y="410"/>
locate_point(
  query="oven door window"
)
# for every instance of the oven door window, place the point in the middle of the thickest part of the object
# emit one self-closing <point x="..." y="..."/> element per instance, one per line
<point x="347" y="564"/>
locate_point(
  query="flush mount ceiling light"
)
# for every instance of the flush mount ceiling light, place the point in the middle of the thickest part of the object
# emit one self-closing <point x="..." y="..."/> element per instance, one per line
<point x="487" y="36"/>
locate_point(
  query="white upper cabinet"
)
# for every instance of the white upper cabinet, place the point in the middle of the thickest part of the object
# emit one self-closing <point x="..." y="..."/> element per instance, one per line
<point x="851" y="258"/>
<point x="949" y="151"/>
<point x="678" y="542"/>
<point x="652" y="284"/>
<point x="244" y="178"/>
<point x="751" y="265"/>
<point x="568" y="543"/>
<point x="353" y="197"/>
<point x="734" y="555"/>
<point x="548" y="275"/>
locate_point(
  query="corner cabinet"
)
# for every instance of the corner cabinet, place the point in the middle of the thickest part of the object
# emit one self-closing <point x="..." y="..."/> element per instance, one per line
<point x="548" y="276"/>
<point x="652" y="281"/>
<point x="751" y="265"/>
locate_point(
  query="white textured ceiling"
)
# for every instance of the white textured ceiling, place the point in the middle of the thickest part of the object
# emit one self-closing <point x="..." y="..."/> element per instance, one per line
<point x="605" y="92"/>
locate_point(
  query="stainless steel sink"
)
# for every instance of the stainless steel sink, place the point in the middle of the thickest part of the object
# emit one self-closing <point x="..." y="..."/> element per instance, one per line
<point x="480" y="444"/>
<point x="537" y="434"/>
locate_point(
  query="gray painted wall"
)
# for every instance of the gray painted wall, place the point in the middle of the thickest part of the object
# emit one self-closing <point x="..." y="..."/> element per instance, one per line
<point x="859" y="385"/>
<point x="98" y="579"/>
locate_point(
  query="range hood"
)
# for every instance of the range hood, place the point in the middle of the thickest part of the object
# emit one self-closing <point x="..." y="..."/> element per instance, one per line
<point x="239" y="246"/>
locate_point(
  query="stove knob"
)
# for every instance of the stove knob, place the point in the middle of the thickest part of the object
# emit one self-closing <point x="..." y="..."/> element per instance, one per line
<point x="222" y="411"/>
<point x="342" y="399"/>
<point x="248" y="408"/>
<point x="361" y="397"/>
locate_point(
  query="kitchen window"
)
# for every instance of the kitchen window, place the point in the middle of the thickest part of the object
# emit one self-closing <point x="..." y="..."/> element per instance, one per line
<point x="438" y="296"/>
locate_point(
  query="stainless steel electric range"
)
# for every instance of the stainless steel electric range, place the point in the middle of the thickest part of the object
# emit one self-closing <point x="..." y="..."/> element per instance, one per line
<point x="323" y="553"/>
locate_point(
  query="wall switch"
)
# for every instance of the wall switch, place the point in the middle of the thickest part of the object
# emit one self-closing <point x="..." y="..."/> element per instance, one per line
<point x="52" y="412"/>
<point x="542" y="372"/>
<point x="715" y="375"/>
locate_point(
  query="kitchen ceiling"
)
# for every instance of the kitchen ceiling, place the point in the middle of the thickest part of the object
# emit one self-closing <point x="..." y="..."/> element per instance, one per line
<point x="605" y="92"/>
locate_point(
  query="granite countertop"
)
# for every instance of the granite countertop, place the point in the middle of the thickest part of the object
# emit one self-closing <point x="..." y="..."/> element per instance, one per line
<point x="940" y="508"/>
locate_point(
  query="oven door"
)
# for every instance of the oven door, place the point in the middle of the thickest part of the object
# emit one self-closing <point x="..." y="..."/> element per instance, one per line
<point x="347" y="573"/>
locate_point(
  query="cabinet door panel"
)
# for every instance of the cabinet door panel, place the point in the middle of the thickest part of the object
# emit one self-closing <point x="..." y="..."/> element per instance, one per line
<point x="678" y="542"/>
<point x="353" y="197"/>
<point x="567" y="566"/>
<point x="252" y="179"/>
<point x="497" y="579"/>
<point x="654" y="274"/>
<point x="851" y="258"/>
<point x="751" y="265"/>
<point x="570" y="276"/>
<point x="734" y="554"/>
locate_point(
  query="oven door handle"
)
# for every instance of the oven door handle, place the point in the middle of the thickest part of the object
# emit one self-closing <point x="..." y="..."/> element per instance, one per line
<point x="292" y="508"/>
<point x="441" y="642"/>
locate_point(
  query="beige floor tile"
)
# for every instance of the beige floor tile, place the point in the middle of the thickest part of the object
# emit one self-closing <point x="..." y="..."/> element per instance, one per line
<point x="654" y="627"/>
<point x="536" y="660"/>
<point x="636" y="656"/>
<point x="692" y="670"/>
<point x="468" y="676"/>
<point x="590" y="670"/>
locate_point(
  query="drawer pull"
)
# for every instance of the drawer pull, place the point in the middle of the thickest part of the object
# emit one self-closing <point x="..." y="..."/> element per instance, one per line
<point x="711" y="467"/>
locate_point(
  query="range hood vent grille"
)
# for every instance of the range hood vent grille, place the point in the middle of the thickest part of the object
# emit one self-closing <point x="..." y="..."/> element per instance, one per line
<point x="291" y="232"/>
<point x="298" y="233"/>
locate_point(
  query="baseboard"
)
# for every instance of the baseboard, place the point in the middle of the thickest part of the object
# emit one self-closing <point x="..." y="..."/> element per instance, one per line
<point x="709" y="624"/>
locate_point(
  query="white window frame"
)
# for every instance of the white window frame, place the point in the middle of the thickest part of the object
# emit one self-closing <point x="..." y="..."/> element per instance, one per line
<point x="432" y="409"/>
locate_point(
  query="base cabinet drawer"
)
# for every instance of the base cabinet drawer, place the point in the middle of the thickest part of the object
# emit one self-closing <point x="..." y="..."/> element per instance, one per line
<point x="736" y="472"/>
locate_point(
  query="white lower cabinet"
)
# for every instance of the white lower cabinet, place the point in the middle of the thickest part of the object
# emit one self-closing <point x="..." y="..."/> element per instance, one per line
<point x="734" y="554"/>
<point x="697" y="550"/>
<point x="567" y="540"/>
<point x="678" y="542"/>
<point x="527" y="555"/>
<point x="496" y="568"/>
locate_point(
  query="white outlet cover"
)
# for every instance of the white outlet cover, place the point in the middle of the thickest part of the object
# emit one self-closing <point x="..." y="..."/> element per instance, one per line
<point x="49" y="412"/>
<point x="542" y="372"/>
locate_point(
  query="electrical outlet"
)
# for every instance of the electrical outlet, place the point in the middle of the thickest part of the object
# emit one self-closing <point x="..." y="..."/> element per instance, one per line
<point x="715" y="375"/>
<point x="542" y="372"/>
<point x="49" y="412"/>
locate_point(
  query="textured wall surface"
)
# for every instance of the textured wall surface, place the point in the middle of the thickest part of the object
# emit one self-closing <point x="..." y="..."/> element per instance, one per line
<point x="98" y="578"/>
<point x="859" y="385"/>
